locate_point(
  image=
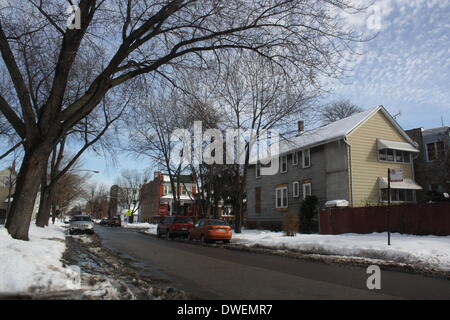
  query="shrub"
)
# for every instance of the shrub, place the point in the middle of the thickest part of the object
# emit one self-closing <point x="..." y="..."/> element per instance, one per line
<point x="291" y="224"/>
<point x="308" y="213"/>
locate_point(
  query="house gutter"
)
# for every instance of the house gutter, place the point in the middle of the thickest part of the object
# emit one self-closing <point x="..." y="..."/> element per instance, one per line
<point x="350" y="172"/>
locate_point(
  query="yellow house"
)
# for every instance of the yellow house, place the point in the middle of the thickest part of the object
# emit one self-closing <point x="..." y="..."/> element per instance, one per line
<point x="375" y="145"/>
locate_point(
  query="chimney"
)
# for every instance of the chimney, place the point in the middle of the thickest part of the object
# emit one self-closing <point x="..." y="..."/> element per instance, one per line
<point x="301" y="126"/>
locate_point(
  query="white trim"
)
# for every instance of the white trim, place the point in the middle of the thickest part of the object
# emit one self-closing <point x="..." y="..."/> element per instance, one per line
<point x="283" y="205"/>
<point x="281" y="167"/>
<point x="303" y="158"/>
<point x="294" y="188"/>
<point x="304" y="192"/>
<point x="295" y="156"/>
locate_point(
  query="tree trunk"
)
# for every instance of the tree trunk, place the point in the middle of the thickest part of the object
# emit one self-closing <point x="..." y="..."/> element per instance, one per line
<point x="29" y="179"/>
<point x="43" y="214"/>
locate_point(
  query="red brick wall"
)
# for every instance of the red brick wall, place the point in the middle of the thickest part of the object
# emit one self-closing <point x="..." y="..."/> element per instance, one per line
<point x="417" y="219"/>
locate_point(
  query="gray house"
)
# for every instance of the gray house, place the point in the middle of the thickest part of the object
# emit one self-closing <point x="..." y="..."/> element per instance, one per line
<point x="345" y="160"/>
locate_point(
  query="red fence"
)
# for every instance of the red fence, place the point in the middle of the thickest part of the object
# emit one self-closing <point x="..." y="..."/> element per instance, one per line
<point x="417" y="219"/>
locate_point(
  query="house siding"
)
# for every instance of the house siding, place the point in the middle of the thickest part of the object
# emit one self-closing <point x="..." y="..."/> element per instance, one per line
<point x="364" y="158"/>
<point x="328" y="175"/>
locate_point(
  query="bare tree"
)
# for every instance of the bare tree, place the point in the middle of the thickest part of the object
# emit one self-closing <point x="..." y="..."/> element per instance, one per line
<point x="130" y="183"/>
<point x="59" y="75"/>
<point x="96" y="200"/>
<point x="339" y="110"/>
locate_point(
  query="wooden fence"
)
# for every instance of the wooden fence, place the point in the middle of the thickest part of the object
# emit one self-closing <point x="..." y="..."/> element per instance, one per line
<point x="416" y="219"/>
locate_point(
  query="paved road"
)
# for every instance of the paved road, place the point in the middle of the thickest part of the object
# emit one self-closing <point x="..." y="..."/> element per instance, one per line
<point x="219" y="273"/>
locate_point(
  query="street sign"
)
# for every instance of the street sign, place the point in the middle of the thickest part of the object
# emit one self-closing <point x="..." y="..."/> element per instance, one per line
<point x="396" y="175"/>
<point x="128" y="213"/>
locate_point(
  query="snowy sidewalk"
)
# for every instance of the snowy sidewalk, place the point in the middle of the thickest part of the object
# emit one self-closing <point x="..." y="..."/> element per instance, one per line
<point x="424" y="251"/>
<point x="421" y="251"/>
<point x="35" y="266"/>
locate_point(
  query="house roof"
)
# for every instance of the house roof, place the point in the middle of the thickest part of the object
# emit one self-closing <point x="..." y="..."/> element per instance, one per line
<point x="337" y="130"/>
<point x="435" y="131"/>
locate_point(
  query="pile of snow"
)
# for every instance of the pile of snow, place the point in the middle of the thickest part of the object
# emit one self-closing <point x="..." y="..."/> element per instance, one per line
<point x="35" y="266"/>
<point x="427" y="251"/>
<point x="137" y="225"/>
<point x="152" y="229"/>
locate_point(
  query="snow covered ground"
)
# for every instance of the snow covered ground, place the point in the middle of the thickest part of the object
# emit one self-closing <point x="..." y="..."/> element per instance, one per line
<point x="35" y="266"/>
<point x="423" y="251"/>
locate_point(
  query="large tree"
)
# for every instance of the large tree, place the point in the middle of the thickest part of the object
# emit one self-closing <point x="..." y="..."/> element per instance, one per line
<point x="58" y="75"/>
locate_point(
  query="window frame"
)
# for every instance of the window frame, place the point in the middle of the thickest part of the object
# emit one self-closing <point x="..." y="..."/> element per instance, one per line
<point x="295" y="156"/>
<point x="308" y="184"/>
<point x="296" y="189"/>
<point x="282" y="162"/>
<point x="286" y="197"/>
<point x="405" y="155"/>
<point x="304" y="152"/>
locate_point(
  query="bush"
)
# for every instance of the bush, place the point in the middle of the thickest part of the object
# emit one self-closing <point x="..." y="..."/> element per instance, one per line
<point x="291" y="224"/>
<point x="309" y="214"/>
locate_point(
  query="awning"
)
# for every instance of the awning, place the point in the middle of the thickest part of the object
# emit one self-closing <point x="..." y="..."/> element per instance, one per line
<point x="395" y="145"/>
<point x="407" y="184"/>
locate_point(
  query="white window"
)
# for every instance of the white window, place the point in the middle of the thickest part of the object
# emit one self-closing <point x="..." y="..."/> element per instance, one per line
<point x="167" y="189"/>
<point x="394" y="156"/>
<point x="284" y="164"/>
<point x="306" y="158"/>
<point x="281" y="197"/>
<point x="295" y="158"/>
<point x="258" y="170"/>
<point x="296" y="189"/>
<point x="306" y="190"/>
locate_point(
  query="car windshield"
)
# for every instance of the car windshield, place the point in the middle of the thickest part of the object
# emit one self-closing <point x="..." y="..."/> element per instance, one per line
<point x="216" y="222"/>
<point x="183" y="220"/>
<point x="81" y="218"/>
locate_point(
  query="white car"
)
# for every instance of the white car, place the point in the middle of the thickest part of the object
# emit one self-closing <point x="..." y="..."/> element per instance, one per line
<point x="81" y="224"/>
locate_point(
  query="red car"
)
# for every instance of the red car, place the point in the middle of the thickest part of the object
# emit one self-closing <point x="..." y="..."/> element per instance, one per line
<point x="209" y="230"/>
<point x="175" y="226"/>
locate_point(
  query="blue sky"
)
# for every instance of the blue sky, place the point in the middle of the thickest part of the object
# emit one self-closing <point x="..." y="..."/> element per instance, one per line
<point x="406" y="68"/>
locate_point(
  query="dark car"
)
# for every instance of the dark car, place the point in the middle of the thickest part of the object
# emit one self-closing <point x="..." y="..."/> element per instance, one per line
<point x="115" y="222"/>
<point x="104" y="222"/>
<point x="175" y="226"/>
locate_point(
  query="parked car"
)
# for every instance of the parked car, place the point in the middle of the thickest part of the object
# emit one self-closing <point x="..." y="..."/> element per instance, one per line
<point x="67" y="219"/>
<point x="208" y="230"/>
<point x="81" y="224"/>
<point x="175" y="226"/>
<point x="104" y="222"/>
<point x="115" y="222"/>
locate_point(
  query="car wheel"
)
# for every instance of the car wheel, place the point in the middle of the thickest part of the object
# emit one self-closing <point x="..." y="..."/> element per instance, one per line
<point x="70" y="232"/>
<point x="226" y="241"/>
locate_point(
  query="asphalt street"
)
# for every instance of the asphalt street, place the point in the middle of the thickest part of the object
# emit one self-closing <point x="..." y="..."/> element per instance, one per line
<point x="210" y="272"/>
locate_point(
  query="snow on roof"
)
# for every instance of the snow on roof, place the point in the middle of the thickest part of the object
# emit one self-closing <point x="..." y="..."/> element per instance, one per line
<point x="331" y="132"/>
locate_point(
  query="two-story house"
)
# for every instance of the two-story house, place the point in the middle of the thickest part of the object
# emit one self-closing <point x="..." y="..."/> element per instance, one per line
<point x="432" y="166"/>
<point x="345" y="160"/>
<point x="157" y="199"/>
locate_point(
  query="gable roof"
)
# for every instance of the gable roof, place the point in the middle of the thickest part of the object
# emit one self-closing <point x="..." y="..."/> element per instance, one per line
<point x="336" y="131"/>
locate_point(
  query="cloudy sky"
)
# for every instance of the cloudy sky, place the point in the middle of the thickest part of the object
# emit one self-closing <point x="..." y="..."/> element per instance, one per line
<point x="406" y="68"/>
